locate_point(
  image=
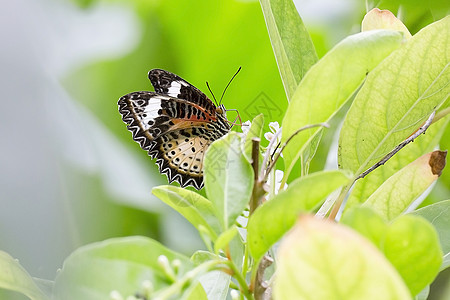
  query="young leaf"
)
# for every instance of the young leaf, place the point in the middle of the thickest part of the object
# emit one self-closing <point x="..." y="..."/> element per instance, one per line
<point x="397" y="97"/>
<point x="225" y="238"/>
<point x="320" y="259"/>
<point x="398" y="192"/>
<point x="13" y="277"/>
<point x="383" y="19"/>
<point x="330" y="83"/>
<point x="291" y="43"/>
<point x="412" y="246"/>
<point x="194" y="207"/>
<point x="214" y="283"/>
<point x="228" y="178"/>
<point x="275" y="217"/>
<point x="365" y="187"/>
<point x="195" y="292"/>
<point x="120" y="264"/>
<point x="438" y="214"/>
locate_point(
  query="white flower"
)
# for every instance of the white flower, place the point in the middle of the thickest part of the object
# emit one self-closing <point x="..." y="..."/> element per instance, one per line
<point x="275" y="183"/>
<point x="246" y="127"/>
<point x="274" y="128"/>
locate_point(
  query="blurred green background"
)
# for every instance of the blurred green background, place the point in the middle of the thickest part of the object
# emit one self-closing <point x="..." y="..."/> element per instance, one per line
<point x="70" y="172"/>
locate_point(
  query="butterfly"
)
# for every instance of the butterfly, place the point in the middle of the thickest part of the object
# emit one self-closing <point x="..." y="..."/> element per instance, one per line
<point x="175" y="124"/>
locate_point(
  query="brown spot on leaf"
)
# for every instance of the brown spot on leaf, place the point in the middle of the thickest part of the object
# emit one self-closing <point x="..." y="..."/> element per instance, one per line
<point x="437" y="162"/>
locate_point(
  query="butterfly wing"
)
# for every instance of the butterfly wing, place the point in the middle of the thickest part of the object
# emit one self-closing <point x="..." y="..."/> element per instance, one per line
<point x="175" y="131"/>
<point x="167" y="83"/>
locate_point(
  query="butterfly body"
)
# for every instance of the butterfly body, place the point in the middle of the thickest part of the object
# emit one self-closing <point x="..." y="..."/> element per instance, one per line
<point x="175" y="124"/>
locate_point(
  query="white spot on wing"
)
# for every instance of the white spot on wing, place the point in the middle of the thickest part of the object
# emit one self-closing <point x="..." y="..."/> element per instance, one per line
<point x="175" y="87"/>
<point x="151" y="110"/>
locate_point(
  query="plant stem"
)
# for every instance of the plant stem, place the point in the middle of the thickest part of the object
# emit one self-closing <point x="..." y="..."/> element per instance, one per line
<point x="339" y="201"/>
<point x="240" y="279"/>
<point x="283" y="182"/>
<point x="177" y="287"/>
<point x="254" y="201"/>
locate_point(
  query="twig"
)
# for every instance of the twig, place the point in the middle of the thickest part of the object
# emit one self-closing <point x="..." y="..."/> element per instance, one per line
<point x="260" y="284"/>
<point x="267" y="155"/>
<point x="400" y="146"/>
<point x="254" y="201"/>
<point x="272" y="164"/>
<point x="411" y="138"/>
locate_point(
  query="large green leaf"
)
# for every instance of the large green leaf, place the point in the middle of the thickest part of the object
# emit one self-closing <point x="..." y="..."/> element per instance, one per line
<point x="291" y="43"/>
<point x="194" y="207"/>
<point x="320" y="259"/>
<point x="120" y="264"/>
<point x="275" y="217"/>
<point x="439" y="215"/>
<point x="13" y="277"/>
<point x="398" y="192"/>
<point x="330" y="83"/>
<point x="228" y="178"/>
<point x="410" y="243"/>
<point x="397" y="97"/>
<point x="412" y="246"/>
<point x="424" y="144"/>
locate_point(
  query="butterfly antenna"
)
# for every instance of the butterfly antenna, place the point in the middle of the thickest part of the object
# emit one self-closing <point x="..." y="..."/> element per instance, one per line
<point x="229" y="84"/>
<point x="214" y="97"/>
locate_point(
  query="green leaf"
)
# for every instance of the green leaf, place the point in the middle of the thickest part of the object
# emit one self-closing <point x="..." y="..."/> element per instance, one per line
<point x="255" y="131"/>
<point x="201" y="256"/>
<point x="320" y="259"/>
<point x="367" y="222"/>
<point x="225" y="238"/>
<point x="228" y="178"/>
<point x="365" y="187"/>
<point x="194" y="207"/>
<point x="412" y="246"/>
<point x="13" y="277"/>
<point x="398" y="192"/>
<point x="438" y="215"/>
<point x="397" y="97"/>
<point x="410" y="243"/>
<point x="215" y="283"/>
<point x="330" y="83"/>
<point x="291" y="43"/>
<point x="120" y="264"/>
<point x="275" y="217"/>
<point x="195" y="292"/>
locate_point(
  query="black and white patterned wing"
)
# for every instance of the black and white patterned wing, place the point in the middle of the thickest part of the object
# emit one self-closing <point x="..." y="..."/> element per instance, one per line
<point x="173" y="85"/>
<point x="174" y="131"/>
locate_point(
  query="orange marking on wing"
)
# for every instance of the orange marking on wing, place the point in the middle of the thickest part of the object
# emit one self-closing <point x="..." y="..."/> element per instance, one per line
<point x="185" y="123"/>
<point x="209" y="117"/>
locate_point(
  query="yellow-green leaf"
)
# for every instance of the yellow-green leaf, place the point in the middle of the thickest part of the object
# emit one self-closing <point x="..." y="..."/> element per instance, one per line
<point x="398" y="192"/>
<point x="397" y="97"/>
<point x="320" y="259"/>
